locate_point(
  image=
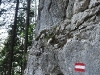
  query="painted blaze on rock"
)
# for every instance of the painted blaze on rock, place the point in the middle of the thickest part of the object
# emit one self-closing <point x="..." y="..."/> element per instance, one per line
<point x="80" y="67"/>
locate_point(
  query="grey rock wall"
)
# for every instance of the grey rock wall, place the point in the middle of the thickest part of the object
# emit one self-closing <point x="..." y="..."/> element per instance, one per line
<point x="51" y="12"/>
<point x="67" y="32"/>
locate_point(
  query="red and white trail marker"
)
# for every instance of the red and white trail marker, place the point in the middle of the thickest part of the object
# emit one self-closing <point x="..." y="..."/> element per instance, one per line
<point x="80" y="67"/>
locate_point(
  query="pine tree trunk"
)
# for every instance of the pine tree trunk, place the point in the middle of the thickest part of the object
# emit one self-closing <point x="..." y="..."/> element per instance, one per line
<point x="27" y="26"/>
<point x="0" y="2"/>
<point x="26" y="31"/>
<point x="13" y="39"/>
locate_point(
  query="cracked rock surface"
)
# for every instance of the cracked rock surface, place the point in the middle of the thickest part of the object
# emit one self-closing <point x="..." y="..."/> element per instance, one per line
<point x="67" y="32"/>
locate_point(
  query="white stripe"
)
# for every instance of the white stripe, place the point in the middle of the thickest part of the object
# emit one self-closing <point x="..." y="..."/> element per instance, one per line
<point x="80" y="67"/>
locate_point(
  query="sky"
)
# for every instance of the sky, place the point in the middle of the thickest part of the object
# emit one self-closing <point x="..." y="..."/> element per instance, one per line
<point x="6" y="18"/>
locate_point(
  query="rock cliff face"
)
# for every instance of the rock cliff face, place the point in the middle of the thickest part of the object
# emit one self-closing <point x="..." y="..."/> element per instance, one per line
<point x="67" y="32"/>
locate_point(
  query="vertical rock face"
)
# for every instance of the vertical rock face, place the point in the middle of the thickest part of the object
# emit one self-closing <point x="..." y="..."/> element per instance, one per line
<point x="67" y="32"/>
<point x="51" y="12"/>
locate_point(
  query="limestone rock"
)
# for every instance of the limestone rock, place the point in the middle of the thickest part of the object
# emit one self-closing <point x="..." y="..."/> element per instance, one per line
<point x="80" y="5"/>
<point x="67" y="32"/>
<point x="51" y="12"/>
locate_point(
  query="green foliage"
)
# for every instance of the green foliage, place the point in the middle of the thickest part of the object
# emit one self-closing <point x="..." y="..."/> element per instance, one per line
<point x="18" y="58"/>
<point x="2" y="11"/>
<point x="19" y="55"/>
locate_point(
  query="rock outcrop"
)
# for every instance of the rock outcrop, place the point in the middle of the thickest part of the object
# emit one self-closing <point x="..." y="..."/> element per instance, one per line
<point x="67" y="32"/>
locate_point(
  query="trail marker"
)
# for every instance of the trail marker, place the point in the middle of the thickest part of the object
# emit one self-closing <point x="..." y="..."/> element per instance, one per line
<point x="80" y="67"/>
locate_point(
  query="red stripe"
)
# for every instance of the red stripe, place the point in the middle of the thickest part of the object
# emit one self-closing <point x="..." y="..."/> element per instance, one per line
<point x="81" y="64"/>
<point x="79" y="70"/>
